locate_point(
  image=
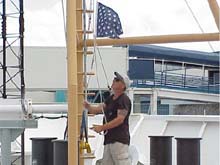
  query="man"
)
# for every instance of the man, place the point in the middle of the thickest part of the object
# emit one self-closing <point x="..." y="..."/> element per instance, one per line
<point x="117" y="108"/>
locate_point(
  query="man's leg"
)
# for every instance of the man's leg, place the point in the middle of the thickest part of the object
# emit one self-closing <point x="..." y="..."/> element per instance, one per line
<point x="120" y="154"/>
<point x="107" y="157"/>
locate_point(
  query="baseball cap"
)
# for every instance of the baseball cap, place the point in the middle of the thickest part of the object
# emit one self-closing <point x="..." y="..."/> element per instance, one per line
<point x="122" y="78"/>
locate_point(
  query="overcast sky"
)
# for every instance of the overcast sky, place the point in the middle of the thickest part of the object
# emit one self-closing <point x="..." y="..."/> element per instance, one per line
<point x="44" y="20"/>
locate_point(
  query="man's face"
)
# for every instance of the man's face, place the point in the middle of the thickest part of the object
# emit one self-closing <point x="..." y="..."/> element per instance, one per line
<point x="118" y="86"/>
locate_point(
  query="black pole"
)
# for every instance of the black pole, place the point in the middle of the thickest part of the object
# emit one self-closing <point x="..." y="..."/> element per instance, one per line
<point x="22" y="149"/>
<point x="60" y="154"/>
<point x="161" y="150"/>
<point x="188" y="151"/>
<point x="21" y="67"/>
<point x="21" y="36"/>
<point x="4" y="95"/>
<point x="42" y="151"/>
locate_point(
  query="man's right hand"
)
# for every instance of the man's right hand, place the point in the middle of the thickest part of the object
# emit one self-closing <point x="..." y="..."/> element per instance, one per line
<point x="93" y="109"/>
<point x="86" y="104"/>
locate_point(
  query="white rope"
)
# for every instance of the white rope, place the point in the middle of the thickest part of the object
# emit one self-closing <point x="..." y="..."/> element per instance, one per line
<point x="100" y="92"/>
<point x="104" y="70"/>
<point x="96" y="47"/>
<point x="85" y="48"/>
<point x="197" y="21"/>
<point x="64" y="21"/>
<point x="91" y="7"/>
<point x="95" y="58"/>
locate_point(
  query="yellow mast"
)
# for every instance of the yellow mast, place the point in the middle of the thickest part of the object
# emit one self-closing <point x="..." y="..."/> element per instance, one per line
<point x="215" y="11"/>
<point x="79" y="72"/>
<point x="75" y="78"/>
<point x="174" y="38"/>
<point x="72" y="83"/>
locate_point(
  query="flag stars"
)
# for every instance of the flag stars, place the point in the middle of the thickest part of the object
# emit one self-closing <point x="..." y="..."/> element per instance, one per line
<point x="108" y="22"/>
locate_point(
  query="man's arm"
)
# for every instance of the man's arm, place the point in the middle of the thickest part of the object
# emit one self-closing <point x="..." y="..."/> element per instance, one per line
<point x="94" y="109"/>
<point x="114" y="123"/>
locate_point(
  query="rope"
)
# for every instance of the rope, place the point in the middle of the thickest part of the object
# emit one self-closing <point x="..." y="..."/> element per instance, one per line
<point x="95" y="44"/>
<point x="83" y="128"/>
<point x="89" y="28"/>
<point x="100" y="92"/>
<point x="200" y="27"/>
<point x="97" y="77"/>
<point x="64" y="21"/>
<point x="105" y="74"/>
<point x="50" y="117"/>
<point x="85" y="60"/>
<point x="90" y="15"/>
<point x="98" y="50"/>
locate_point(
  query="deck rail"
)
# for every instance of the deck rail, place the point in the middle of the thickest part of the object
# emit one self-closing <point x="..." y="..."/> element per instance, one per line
<point x="180" y="82"/>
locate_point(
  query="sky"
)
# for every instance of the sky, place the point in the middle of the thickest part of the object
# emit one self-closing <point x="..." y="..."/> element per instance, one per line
<point x="44" y="24"/>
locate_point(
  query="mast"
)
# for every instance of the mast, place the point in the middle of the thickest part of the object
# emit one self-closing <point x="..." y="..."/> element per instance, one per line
<point x="215" y="11"/>
<point x="72" y="83"/>
<point x="80" y="74"/>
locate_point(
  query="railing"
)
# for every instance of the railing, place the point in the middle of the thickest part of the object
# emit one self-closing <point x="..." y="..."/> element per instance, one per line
<point x="179" y="81"/>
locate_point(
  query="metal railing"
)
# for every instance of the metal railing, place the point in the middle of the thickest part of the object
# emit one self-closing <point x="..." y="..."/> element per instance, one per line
<point x="179" y="81"/>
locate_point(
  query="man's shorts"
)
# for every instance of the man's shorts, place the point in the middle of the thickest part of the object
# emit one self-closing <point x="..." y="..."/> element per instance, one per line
<point x="116" y="154"/>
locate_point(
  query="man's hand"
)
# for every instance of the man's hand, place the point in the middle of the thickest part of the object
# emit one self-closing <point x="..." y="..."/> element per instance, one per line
<point x="97" y="128"/>
<point x="93" y="109"/>
<point x="86" y="104"/>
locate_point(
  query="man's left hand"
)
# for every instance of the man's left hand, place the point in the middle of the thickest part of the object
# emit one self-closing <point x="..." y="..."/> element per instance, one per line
<point x="97" y="128"/>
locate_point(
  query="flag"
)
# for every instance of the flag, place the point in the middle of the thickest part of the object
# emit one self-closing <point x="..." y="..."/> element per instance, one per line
<point x="108" y="22"/>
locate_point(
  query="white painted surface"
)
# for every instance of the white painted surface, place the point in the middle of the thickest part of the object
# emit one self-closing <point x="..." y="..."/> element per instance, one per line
<point x="142" y="126"/>
<point x="46" y="67"/>
<point x="114" y="59"/>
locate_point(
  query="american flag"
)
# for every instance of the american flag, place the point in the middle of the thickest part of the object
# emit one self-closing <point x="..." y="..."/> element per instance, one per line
<point x="108" y="22"/>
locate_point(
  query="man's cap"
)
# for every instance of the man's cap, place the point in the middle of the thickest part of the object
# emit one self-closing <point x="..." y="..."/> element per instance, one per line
<point x="123" y="79"/>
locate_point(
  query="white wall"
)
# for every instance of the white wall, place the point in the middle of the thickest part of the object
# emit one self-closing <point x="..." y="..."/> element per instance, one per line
<point x="46" y="67"/>
<point x="113" y="59"/>
<point x="142" y="126"/>
<point x="180" y="126"/>
<point x="46" y="70"/>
